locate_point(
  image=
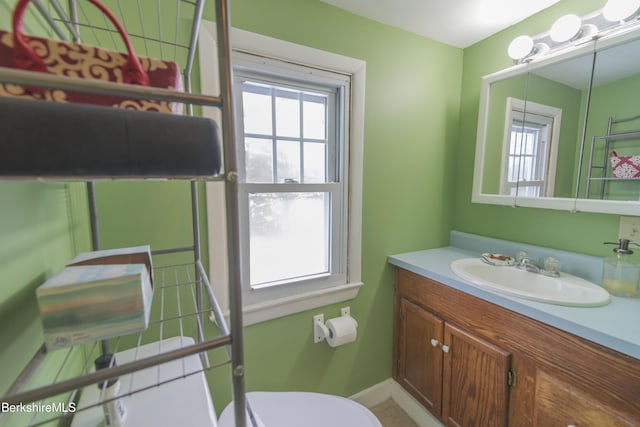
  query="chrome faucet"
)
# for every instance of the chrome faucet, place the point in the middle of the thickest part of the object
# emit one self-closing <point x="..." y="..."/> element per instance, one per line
<point x="551" y="266"/>
<point x="526" y="264"/>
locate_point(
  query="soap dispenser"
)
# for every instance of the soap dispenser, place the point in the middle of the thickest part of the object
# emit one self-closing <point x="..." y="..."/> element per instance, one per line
<point x="621" y="273"/>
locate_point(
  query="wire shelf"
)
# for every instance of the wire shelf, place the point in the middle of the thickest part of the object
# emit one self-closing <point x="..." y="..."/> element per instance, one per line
<point x="169" y="31"/>
<point x="165" y="29"/>
<point x="619" y="136"/>
<point x="175" y="312"/>
<point x="174" y="40"/>
<point x="601" y="147"/>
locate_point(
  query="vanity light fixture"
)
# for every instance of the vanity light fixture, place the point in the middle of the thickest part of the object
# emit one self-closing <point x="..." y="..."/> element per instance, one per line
<point x="523" y="47"/>
<point x="566" y="28"/>
<point x="620" y="10"/>
<point x="571" y="30"/>
<point x="520" y="47"/>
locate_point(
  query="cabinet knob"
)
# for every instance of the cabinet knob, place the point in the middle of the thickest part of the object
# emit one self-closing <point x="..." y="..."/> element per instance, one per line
<point x="445" y="348"/>
<point x="434" y="342"/>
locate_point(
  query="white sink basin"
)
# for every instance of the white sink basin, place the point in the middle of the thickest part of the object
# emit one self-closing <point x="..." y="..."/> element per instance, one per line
<point x="564" y="290"/>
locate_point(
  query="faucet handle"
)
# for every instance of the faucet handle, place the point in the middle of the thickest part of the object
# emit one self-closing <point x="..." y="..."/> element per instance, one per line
<point x="522" y="257"/>
<point x="552" y="265"/>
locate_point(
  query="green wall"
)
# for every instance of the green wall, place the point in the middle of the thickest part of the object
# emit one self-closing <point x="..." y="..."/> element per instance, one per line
<point x="578" y="232"/>
<point x="411" y="116"/>
<point x="42" y="226"/>
<point x="36" y="223"/>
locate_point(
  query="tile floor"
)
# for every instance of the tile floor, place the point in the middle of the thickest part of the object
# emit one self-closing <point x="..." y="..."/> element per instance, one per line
<point x="391" y="415"/>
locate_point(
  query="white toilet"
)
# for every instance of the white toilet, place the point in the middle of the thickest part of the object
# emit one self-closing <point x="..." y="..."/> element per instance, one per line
<point x="296" y="409"/>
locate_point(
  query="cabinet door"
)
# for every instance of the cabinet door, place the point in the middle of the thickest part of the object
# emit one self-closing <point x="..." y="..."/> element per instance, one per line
<point x="475" y="381"/>
<point x="558" y="403"/>
<point x="420" y="361"/>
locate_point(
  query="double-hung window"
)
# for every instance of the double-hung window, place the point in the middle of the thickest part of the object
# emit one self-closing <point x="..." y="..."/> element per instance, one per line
<point x="293" y="151"/>
<point x="300" y="139"/>
<point x="528" y="155"/>
<point x="530" y="149"/>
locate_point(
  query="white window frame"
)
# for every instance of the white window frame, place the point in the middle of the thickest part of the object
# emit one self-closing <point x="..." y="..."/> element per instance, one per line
<point x="249" y="67"/>
<point x="547" y="114"/>
<point x="279" y="305"/>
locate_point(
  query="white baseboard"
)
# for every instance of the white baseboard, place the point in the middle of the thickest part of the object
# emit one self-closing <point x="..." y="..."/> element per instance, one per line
<point x="390" y="389"/>
<point x="375" y="394"/>
<point x="410" y="405"/>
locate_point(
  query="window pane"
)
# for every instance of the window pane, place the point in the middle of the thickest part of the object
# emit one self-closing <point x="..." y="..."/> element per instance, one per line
<point x="513" y="169"/>
<point x="289" y="236"/>
<point x="314" y="117"/>
<point x="315" y="160"/>
<point x="529" y="191"/>
<point x="259" y="160"/>
<point x="257" y="112"/>
<point x="288" y="161"/>
<point x="530" y="143"/>
<point x="287" y="114"/>
<point x="526" y="166"/>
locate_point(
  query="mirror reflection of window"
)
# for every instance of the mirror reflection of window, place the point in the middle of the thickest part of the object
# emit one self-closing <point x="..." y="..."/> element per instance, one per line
<point x="530" y="149"/>
<point x="528" y="154"/>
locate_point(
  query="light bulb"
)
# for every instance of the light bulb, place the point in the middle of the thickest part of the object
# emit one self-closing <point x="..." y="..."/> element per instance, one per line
<point x="565" y="28"/>
<point x="620" y="10"/>
<point x="520" y="47"/>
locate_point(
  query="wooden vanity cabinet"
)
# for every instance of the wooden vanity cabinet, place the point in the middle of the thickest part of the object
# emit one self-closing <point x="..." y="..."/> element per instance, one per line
<point x="474" y="381"/>
<point x="561" y="404"/>
<point x="473" y="363"/>
<point x="457" y="376"/>
<point x="419" y="363"/>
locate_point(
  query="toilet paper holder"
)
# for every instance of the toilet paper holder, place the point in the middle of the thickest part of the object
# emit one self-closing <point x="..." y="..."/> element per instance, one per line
<point x="322" y="331"/>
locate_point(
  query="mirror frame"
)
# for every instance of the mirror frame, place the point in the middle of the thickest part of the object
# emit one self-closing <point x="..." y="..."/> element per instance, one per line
<point x="559" y="203"/>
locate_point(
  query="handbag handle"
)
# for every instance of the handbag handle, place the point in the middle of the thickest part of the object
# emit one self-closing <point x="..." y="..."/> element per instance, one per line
<point x="27" y="59"/>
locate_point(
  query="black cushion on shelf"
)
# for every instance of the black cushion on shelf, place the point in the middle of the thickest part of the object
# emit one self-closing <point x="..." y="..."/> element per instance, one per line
<point x="41" y="139"/>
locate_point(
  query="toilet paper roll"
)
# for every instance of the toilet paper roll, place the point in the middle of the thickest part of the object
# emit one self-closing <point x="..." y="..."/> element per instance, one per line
<point x="342" y="330"/>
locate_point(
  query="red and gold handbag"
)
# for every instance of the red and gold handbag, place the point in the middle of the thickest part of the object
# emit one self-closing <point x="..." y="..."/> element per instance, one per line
<point x="88" y="62"/>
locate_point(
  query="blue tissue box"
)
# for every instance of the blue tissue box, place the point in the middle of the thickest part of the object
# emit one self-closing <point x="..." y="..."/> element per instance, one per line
<point x="92" y="302"/>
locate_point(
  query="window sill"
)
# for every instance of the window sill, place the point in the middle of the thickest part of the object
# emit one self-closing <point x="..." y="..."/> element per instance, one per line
<point x="273" y="309"/>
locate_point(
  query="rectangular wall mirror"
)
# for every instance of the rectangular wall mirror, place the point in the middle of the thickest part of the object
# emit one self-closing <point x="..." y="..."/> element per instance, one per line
<point x="552" y="129"/>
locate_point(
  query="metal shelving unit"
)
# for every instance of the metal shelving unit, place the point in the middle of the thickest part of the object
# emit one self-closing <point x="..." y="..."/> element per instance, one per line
<point x="187" y="285"/>
<point x="603" y="165"/>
